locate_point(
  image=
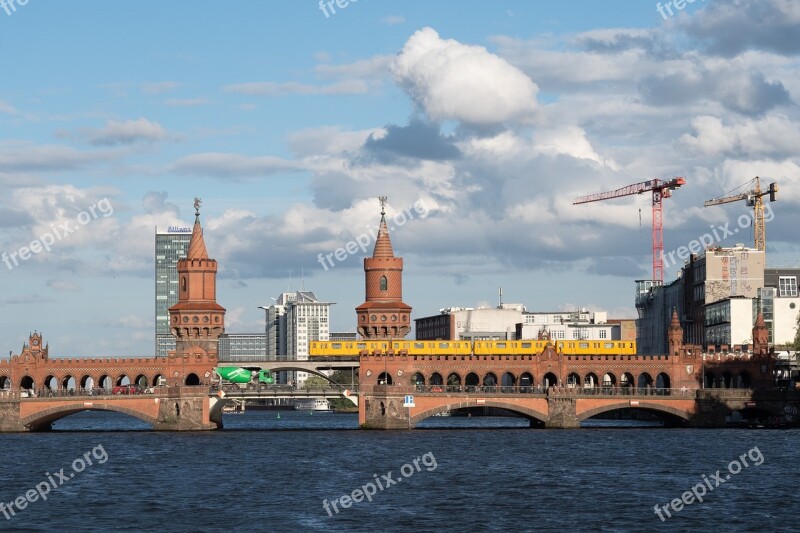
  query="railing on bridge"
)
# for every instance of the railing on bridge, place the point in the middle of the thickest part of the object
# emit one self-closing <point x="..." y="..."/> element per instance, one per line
<point x="286" y="391"/>
<point x="523" y="390"/>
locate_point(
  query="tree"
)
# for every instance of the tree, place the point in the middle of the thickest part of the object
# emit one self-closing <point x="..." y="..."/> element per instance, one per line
<point x="316" y="382"/>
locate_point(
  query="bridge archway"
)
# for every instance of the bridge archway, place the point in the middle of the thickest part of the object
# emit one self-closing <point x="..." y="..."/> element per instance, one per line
<point x="123" y="380"/>
<point x="626" y="380"/>
<point x="490" y="381"/>
<point x="68" y="382"/>
<point x="663" y="381"/>
<point x="453" y="382"/>
<point x="508" y="381"/>
<point x="27" y="383"/>
<point x="669" y="415"/>
<point x="105" y="382"/>
<point x="709" y="380"/>
<point x="50" y="382"/>
<point x="590" y="380"/>
<point x="157" y="379"/>
<point x="5" y="383"/>
<point x="549" y="380"/>
<point x="645" y="380"/>
<point x="436" y="379"/>
<point x="43" y="420"/>
<point x="537" y="418"/>
<point x="417" y="380"/>
<point x="141" y="381"/>
<point x="609" y="380"/>
<point x="191" y="379"/>
<point x="472" y="381"/>
<point x="87" y="382"/>
<point x="573" y="380"/>
<point x="526" y="381"/>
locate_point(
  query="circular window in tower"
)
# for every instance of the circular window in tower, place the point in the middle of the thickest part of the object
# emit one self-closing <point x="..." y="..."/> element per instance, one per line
<point x="394" y="318"/>
<point x="791" y="305"/>
<point x="373" y="318"/>
<point x="205" y="319"/>
<point x="195" y="319"/>
<point x="383" y="318"/>
<point x="363" y="318"/>
<point x="186" y="319"/>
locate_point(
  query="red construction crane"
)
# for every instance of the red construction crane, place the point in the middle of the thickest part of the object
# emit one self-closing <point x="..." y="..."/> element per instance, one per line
<point x="661" y="190"/>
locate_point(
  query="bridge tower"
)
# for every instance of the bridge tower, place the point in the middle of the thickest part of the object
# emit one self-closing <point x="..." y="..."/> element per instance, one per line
<point x="675" y="334"/>
<point x="760" y="336"/>
<point x="197" y="320"/>
<point x="383" y="315"/>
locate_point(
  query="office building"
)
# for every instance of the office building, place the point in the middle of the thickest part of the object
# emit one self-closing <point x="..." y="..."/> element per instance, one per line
<point x="170" y="246"/>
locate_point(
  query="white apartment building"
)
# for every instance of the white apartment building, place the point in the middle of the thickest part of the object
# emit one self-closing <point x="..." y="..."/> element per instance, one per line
<point x="295" y="319"/>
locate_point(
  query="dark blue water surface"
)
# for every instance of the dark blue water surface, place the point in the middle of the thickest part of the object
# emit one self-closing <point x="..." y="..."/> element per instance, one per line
<point x="478" y="474"/>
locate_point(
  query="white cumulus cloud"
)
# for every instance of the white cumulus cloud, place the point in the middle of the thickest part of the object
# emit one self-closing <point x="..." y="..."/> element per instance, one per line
<point x="454" y="81"/>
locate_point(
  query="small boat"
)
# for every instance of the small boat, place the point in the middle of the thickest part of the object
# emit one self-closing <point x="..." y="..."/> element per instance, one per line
<point x="444" y="413"/>
<point x="318" y="404"/>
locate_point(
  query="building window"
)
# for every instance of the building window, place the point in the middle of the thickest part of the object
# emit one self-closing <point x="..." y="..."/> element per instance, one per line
<point x="787" y="286"/>
<point x="602" y="334"/>
<point x="183" y="284"/>
<point x="384" y="283"/>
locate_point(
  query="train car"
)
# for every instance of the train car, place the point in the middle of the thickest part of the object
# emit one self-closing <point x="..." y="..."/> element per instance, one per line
<point x="521" y="347"/>
<point x="596" y="347"/>
<point x="440" y="347"/>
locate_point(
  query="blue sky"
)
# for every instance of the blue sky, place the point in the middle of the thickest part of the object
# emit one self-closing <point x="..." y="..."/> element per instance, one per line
<point x="289" y="124"/>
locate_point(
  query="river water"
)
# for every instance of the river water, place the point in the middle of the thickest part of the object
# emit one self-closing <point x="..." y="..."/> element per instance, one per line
<point x="264" y="473"/>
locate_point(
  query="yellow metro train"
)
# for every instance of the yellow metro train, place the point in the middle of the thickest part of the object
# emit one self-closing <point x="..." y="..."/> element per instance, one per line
<point x="353" y="349"/>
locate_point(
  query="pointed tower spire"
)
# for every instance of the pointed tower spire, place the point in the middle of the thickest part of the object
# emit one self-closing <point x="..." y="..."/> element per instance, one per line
<point x="383" y="244"/>
<point x="197" y="245"/>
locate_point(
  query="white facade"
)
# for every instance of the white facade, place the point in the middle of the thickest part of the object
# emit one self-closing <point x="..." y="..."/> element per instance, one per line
<point x="485" y="323"/>
<point x="785" y="311"/>
<point x="295" y="319"/>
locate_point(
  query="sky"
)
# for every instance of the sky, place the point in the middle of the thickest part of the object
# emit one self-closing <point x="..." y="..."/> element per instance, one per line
<point x="481" y="122"/>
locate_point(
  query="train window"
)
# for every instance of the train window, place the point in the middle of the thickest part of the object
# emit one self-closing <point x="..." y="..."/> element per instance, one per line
<point x="419" y="345"/>
<point x="608" y="345"/>
<point x="336" y="345"/>
<point x="584" y="345"/>
<point x="526" y="345"/>
<point x="444" y="345"/>
<point x="501" y="345"/>
<point x="361" y="345"/>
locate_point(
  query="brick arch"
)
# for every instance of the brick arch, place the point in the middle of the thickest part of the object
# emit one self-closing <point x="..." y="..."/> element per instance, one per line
<point x="524" y="411"/>
<point x="647" y="406"/>
<point x="43" y="419"/>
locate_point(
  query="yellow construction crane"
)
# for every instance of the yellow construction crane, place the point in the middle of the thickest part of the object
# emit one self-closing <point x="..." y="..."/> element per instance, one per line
<point x="755" y="199"/>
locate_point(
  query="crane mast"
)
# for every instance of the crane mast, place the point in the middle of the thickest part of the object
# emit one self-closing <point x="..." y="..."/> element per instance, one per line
<point x="660" y="190"/>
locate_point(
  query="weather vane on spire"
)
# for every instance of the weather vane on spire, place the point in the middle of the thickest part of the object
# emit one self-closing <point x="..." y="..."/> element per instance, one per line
<point x="382" y="200"/>
<point x="197" y="203"/>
